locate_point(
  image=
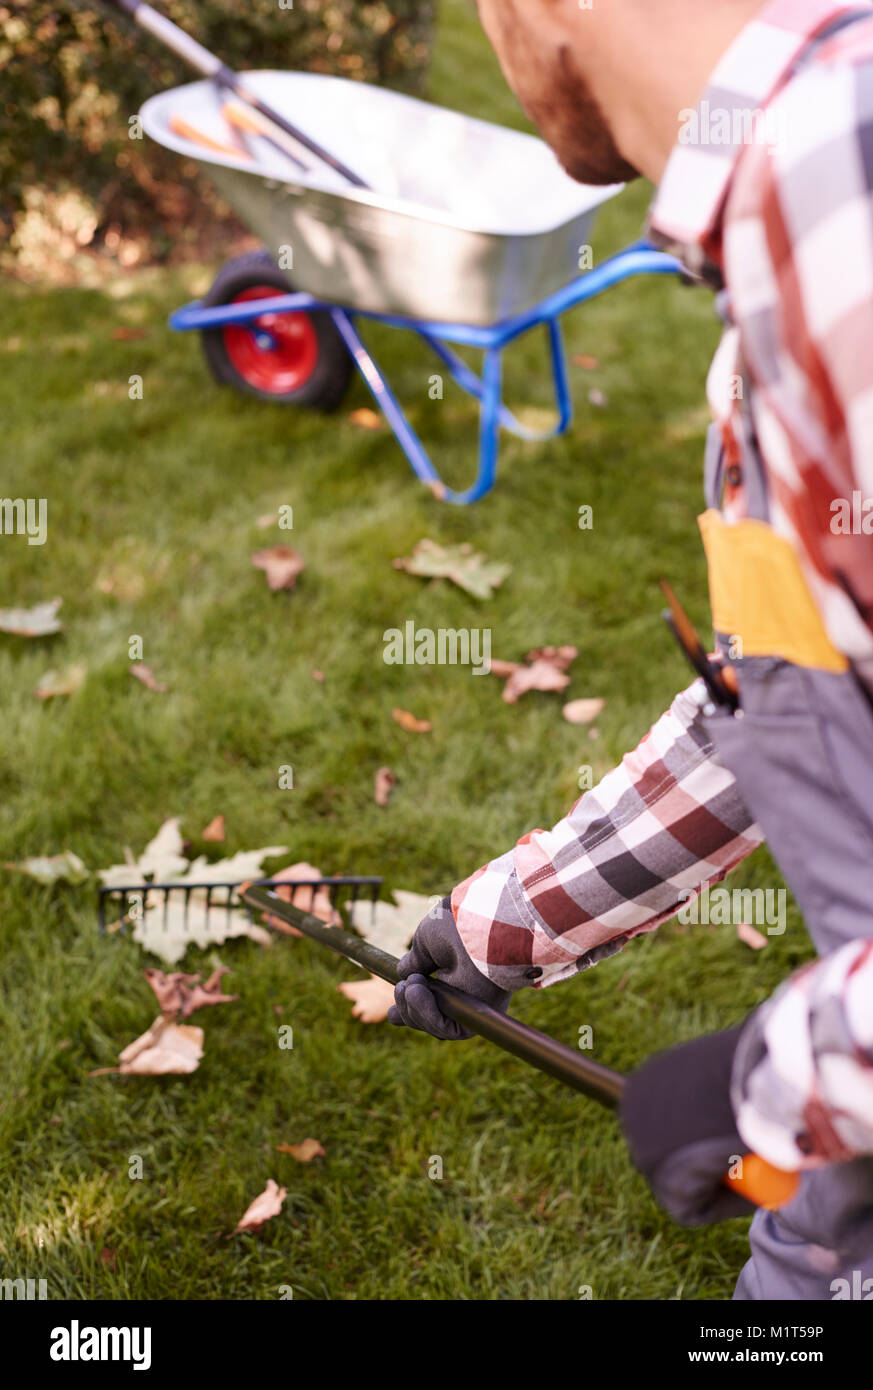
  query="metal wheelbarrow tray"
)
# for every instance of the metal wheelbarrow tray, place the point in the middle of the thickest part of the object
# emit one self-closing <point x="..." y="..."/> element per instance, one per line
<point x="467" y="233"/>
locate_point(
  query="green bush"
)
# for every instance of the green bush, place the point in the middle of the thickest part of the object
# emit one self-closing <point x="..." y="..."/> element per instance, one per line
<point x="71" y="75"/>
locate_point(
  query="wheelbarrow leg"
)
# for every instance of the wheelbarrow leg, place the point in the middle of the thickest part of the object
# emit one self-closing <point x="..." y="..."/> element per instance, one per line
<point x="468" y="381"/>
<point x="559" y="370"/>
<point x="490" y="408"/>
<point x="388" y="403"/>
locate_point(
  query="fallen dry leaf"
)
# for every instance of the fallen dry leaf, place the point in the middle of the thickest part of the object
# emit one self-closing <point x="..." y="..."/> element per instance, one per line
<point x="184" y="994"/>
<point x="371" y="998"/>
<point x="168" y="929"/>
<point x="281" y="565"/>
<point x="163" y="858"/>
<point x="125" y="333"/>
<point x="236" y="868"/>
<point x="64" y="682"/>
<point x="165" y="1049"/>
<point x="308" y="898"/>
<point x="384" y="781"/>
<point x="389" y="925"/>
<point x="48" y="869"/>
<point x="214" y="832"/>
<point x="544" y="668"/>
<point x="39" y="621"/>
<point x="170" y="991"/>
<point x="317" y="675"/>
<point x="582" y="711"/>
<point x="409" y="722"/>
<point x="265" y="1206"/>
<point x="304" y="1153"/>
<point x="585" y="361"/>
<point x="202" y="996"/>
<point x="751" y="936"/>
<point x="366" y="419"/>
<point x="463" y="565"/>
<point x="147" y="676"/>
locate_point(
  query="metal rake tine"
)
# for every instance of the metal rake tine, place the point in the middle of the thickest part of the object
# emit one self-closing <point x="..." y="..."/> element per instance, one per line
<point x="338" y="886"/>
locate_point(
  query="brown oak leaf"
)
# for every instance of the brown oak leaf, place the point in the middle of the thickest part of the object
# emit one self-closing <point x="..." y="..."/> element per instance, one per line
<point x="214" y="831"/>
<point x="371" y="998"/>
<point x="751" y="936"/>
<point x="366" y="419"/>
<point x="265" y="1206"/>
<point x="183" y="994"/>
<point x="409" y="722"/>
<point x="544" y="668"/>
<point x="309" y="899"/>
<point x="384" y="781"/>
<point x="582" y="711"/>
<point x="166" y="1048"/>
<point x="281" y="565"/>
<point x="304" y="1152"/>
<point x="145" y="674"/>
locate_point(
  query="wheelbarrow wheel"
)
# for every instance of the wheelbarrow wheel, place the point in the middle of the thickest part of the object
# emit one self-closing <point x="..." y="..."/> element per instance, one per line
<point x="295" y="359"/>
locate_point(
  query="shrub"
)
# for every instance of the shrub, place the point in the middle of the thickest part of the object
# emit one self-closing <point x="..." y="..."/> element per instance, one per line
<point x="71" y="75"/>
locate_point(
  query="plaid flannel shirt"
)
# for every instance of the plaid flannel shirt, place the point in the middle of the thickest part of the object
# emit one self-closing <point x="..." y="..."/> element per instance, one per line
<point x="783" y="216"/>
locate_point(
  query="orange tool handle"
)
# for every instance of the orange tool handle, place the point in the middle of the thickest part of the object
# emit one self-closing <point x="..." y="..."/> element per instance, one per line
<point x="763" y="1184"/>
<point x="243" y="118"/>
<point x="251" y="123"/>
<point x="180" y="126"/>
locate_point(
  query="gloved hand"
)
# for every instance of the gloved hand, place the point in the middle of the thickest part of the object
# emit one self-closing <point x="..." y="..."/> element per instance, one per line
<point x="679" y="1123"/>
<point x="437" y="950"/>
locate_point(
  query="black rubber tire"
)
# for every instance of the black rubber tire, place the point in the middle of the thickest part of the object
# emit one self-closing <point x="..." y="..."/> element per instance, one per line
<point x="326" y="387"/>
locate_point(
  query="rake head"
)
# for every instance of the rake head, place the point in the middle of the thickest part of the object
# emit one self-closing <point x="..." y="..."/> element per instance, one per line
<point x="125" y="904"/>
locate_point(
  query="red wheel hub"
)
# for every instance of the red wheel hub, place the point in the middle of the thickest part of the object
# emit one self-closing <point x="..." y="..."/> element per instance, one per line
<point x="290" y="359"/>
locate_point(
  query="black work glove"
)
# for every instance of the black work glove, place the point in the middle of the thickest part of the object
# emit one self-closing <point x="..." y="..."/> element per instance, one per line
<point x="437" y="950"/>
<point x="679" y="1123"/>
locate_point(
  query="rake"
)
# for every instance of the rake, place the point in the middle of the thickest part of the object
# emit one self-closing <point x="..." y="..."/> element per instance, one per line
<point x="760" y="1182"/>
<point x="121" y="904"/>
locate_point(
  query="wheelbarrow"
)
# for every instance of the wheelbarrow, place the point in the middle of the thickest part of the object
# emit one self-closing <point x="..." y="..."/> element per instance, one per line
<point x="460" y="231"/>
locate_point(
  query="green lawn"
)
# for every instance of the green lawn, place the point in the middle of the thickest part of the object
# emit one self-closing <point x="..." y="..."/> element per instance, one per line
<point x="538" y="1197"/>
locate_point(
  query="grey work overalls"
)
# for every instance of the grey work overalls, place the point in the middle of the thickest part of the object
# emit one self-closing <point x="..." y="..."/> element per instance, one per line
<point x="801" y="749"/>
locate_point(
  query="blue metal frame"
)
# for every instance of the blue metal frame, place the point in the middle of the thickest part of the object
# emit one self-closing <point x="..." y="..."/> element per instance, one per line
<point x="639" y="259"/>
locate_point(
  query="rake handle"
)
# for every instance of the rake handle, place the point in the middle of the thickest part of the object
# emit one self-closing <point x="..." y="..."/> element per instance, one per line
<point x="212" y="67"/>
<point x="761" y="1183"/>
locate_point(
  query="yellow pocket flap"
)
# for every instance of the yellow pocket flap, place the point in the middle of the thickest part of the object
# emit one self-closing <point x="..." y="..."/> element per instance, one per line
<point x="759" y="594"/>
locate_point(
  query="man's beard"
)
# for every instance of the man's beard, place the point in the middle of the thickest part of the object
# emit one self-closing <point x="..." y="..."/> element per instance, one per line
<point x="567" y="115"/>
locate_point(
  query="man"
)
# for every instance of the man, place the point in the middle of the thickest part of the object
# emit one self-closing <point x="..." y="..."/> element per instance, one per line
<point x="755" y="120"/>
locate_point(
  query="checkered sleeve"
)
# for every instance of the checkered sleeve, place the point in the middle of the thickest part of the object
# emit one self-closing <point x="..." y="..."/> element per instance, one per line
<point x="631" y="852"/>
<point x="802" y="1087"/>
